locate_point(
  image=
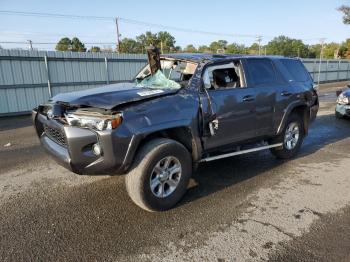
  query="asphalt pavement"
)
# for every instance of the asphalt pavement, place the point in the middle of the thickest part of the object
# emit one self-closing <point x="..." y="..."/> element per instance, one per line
<point x="246" y="208"/>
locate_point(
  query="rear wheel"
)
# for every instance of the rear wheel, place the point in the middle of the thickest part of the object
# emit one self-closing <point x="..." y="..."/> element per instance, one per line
<point x="160" y="175"/>
<point x="291" y="138"/>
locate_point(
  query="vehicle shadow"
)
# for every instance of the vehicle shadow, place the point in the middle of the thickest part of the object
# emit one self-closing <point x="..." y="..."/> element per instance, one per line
<point x="218" y="175"/>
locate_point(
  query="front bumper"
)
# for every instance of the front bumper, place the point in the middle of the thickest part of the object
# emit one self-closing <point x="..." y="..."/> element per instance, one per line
<point x="344" y="110"/>
<point x="71" y="147"/>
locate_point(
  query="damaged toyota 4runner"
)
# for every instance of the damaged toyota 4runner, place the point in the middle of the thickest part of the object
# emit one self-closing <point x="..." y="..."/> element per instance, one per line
<point x="179" y="111"/>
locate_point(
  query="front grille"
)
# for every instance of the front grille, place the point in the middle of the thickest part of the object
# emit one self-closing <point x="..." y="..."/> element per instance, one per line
<point x="56" y="135"/>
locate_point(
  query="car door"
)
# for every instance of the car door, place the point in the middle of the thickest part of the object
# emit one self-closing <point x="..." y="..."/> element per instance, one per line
<point x="232" y="103"/>
<point x="265" y="83"/>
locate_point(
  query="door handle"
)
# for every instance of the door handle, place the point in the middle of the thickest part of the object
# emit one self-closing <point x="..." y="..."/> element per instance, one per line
<point x="248" y="98"/>
<point x="286" y="93"/>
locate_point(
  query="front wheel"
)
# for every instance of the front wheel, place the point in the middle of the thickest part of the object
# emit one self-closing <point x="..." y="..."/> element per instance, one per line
<point x="160" y="175"/>
<point x="291" y="138"/>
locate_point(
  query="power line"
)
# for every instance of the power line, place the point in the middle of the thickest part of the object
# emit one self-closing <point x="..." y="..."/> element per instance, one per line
<point x="187" y="30"/>
<point x="54" y="43"/>
<point x="30" y="33"/>
<point x="135" y="22"/>
<point x="125" y="20"/>
<point x="52" y="15"/>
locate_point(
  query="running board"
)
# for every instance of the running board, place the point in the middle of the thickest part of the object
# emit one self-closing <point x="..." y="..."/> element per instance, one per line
<point x="211" y="158"/>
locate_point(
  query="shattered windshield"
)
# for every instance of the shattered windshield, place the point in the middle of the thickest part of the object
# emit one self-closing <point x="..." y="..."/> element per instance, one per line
<point x="172" y="75"/>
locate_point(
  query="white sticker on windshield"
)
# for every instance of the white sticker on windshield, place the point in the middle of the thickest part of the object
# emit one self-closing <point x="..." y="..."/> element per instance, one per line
<point x="148" y="93"/>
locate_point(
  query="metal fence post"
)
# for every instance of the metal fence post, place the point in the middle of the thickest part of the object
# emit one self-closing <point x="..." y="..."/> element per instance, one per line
<point x="347" y="71"/>
<point x="106" y="66"/>
<point x="319" y="71"/>
<point x="314" y="69"/>
<point x="48" y="75"/>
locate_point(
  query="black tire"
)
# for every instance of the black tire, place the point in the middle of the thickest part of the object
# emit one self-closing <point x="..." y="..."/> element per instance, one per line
<point x="138" y="180"/>
<point x="284" y="152"/>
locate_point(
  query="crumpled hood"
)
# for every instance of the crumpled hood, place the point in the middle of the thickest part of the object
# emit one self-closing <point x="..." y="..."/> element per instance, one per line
<point x="110" y="96"/>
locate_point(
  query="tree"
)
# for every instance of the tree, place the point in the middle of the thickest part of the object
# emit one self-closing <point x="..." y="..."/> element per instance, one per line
<point x="148" y="39"/>
<point x="217" y="45"/>
<point x="314" y="51"/>
<point x="177" y="49"/>
<point x="253" y="49"/>
<point x="204" y="49"/>
<point x="77" y="45"/>
<point x="130" y="46"/>
<point x="331" y="50"/>
<point x="163" y="40"/>
<point x="95" y="49"/>
<point x="235" y="48"/>
<point x="190" y="49"/>
<point x="344" y="50"/>
<point x="74" y="45"/>
<point x="64" y="44"/>
<point x="346" y="11"/>
<point x="166" y="41"/>
<point x="283" y="45"/>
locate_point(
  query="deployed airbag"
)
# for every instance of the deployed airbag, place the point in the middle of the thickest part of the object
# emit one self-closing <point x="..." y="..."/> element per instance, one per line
<point x="158" y="80"/>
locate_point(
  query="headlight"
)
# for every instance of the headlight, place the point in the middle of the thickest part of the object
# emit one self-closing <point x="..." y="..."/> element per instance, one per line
<point x="342" y="99"/>
<point x="94" y="120"/>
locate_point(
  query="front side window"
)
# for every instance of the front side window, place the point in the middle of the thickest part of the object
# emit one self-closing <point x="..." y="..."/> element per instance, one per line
<point x="261" y="71"/>
<point x="223" y="76"/>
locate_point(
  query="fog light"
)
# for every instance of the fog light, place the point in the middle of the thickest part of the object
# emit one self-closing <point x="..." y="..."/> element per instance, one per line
<point x="96" y="148"/>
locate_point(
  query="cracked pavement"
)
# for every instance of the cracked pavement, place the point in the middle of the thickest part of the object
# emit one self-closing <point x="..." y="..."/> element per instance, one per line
<point x="245" y="208"/>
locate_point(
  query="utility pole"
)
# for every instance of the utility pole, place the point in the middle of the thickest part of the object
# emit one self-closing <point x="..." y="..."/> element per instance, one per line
<point x="319" y="64"/>
<point x="118" y="34"/>
<point x="30" y="45"/>
<point x="259" y="39"/>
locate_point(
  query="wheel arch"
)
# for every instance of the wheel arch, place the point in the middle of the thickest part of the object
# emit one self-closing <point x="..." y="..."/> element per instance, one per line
<point x="302" y="110"/>
<point x="181" y="134"/>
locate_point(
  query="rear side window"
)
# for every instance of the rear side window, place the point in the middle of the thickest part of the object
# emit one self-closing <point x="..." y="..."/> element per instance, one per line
<point x="262" y="71"/>
<point x="296" y="70"/>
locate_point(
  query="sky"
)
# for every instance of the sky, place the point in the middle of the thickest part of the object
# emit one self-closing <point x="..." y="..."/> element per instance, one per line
<point x="303" y="19"/>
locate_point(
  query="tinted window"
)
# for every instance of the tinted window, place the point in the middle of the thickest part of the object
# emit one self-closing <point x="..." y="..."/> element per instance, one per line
<point x="296" y="70"/>
<point x="262" y="71"/>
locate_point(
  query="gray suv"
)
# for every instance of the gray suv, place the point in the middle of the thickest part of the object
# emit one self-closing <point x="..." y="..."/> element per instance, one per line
<point x="179" y="111"/>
